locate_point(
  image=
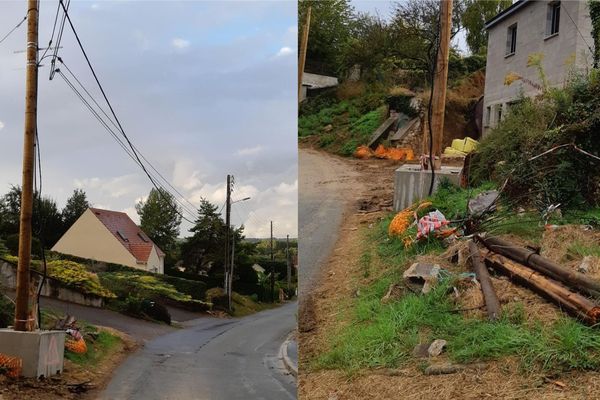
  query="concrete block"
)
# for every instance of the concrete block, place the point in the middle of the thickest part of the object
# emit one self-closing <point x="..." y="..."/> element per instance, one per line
<point x="411" y="184"/>
<point x="42" y="352"/>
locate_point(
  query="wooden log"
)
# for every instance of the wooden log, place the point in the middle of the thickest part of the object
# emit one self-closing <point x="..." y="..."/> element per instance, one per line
<point x="541" y="264"/>
<point x="492" y="305"/>
<point x="574" y="303"/>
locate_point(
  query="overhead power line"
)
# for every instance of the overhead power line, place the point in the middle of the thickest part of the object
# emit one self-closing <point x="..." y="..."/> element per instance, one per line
<point x="13" y="29"/>
<point x="121" y="130"/>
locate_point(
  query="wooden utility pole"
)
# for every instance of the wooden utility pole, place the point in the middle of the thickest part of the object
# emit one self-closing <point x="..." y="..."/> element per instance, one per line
<point x="272" y="267"/>
<point x="230" y="283"/>
<point x="227" y="227"/>
<point x="303" y="48"/>
<point x="31" y="83"/>
<point x="441" y="81"/>
<point x="289" y="264"/>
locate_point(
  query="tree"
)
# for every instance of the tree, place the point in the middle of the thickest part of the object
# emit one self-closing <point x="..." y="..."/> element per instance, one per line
<point x="47" y="223"/>
<point x="330" y="29"/>
<point x="160" y="218"/>
<point x="476" y="13"/>
<point x="76" y="205"/>
<point x="416" y="31"/>
<point x="594" y="6"/>
<point x="207" y="244"/>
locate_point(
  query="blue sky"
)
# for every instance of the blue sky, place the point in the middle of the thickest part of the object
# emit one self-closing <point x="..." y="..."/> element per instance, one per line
<point x="202" y="88"/>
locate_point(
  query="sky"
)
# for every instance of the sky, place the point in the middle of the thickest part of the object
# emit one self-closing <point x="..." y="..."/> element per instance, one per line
<point x="203" y="89"/>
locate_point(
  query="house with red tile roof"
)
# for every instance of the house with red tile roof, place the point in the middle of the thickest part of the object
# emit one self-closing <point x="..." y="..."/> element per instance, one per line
<point x="112" y="237"/>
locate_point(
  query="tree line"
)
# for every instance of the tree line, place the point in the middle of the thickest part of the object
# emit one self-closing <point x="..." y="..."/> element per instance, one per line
<point x="340" y="37"/>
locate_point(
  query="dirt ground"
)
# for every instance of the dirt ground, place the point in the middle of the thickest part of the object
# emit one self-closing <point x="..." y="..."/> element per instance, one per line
<point x="321" y="315"/>
<point x="76" y="381"/>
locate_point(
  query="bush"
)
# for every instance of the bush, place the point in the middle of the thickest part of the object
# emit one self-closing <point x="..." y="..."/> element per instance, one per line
<point x="77" y="276"/>
<point x="7" y="315"/>
<point x="156" y="311"/>
<point x="12" y="244"/>
<point x="533" y="126"/>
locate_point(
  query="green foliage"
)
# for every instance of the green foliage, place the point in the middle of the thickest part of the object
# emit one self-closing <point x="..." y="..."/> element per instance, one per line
<point x="77" y="276"/>
<point x="473" y="20"/>
<point x="7" y="311"/>
<point x="452" y="200"/>
<point x="384" y="335"/>
<point x="98" y="348"/>
<point x="594" y="6"/>
<point x="160" y="218"/>
<point x="76" y="205"/>
<point x="533" y="126"/>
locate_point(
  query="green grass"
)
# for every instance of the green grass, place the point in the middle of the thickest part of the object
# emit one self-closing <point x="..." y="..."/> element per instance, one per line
<point x="97" y="349"/>
<point x="581" y="250"/>
<point x="384" y="335"/>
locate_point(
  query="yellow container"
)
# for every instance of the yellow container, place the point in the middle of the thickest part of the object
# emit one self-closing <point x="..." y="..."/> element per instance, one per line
<point x="451" y="151"/>
<point x="465" y="145"/>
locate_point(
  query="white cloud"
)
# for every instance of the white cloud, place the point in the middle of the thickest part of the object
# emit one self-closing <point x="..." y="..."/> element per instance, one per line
<point x="185" y="176"/>
<point x="249" y="151"/>
<point x="114" y="187"/>
<point x="1" y="125"/>
<point x="284" y="51"/>
<point x="95" y="6"/>
<point x="180" y="43"/>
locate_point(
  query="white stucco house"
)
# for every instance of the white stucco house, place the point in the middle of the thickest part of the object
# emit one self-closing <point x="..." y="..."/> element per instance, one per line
<point x="560" y="30"/>
<point x="112" y="237"/>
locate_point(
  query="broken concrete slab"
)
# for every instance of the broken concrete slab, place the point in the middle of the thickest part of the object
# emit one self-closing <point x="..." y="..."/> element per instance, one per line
<point x="383" y="129"/>
<point x="422" y="276"/>
<point x="436" y="348"/>
<point x="483" y="202"/>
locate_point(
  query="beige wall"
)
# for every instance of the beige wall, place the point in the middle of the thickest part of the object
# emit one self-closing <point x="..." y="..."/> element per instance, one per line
<point x="155" y="262"/>
<point x="565" y="52"/>
<point x="89" y="238"/>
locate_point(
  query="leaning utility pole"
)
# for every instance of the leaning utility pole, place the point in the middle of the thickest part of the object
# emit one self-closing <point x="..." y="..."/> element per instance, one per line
<point x="303" y="48"/>
<point x="272" y="268"/>
<point x="289" y="264"/>
<point x="22" y="297"/>
<point x="230" y="282"/>
<point x="227" y="227"/>
<point x="441" y="81"/>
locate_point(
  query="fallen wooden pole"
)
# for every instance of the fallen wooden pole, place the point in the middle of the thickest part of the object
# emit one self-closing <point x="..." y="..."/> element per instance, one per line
<point x="574" y="303"/>
<point x="541" y="264"/>
<point x="492" y="305"/>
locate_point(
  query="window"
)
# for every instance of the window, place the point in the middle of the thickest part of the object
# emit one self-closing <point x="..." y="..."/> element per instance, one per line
<point x="553" y="18"/>
<point x="143" y="237"/>
<point x="511" y="40"/>
<point x="498" y="113"/>
<point x="488" y="116"/>
<point x="122" y="236"/>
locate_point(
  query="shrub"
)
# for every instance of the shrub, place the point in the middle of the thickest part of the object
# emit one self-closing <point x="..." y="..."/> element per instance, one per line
<point x="6" y="312"/>
<point x="156" y="310"/>
<point x="76" y="276"/>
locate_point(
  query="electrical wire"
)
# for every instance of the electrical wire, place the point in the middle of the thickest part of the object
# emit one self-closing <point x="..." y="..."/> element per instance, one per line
<point x="13" y="29"/>
<point x="116" y="119"/>
<point x="59" y="36"/>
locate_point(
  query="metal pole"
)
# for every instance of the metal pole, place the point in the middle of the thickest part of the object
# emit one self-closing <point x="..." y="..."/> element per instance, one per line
<point x="441" y="81"/>
<point x="289" y="264"/>
<point x="303" y="48"/>
<point x="272" y="268"/>
<point x="22" y="296"/>
<point x="230" y="283"/>
<point x="227" y="227"/>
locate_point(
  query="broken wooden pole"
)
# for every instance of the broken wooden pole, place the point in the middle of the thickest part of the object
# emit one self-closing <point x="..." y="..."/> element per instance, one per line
<point x="574" y="303"/>
<point x="541" y="264"/>
<point x="492" y="305"/>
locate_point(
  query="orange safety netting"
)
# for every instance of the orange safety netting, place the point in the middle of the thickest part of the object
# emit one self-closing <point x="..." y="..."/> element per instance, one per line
<point x="388" y="153"/>
<point x="405" y="218"/>
<point x="12" y="366"/>
<point x="76" y="346"/>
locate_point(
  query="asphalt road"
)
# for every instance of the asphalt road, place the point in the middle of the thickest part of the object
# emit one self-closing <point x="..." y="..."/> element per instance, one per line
<point x="325" y="183"/>
<point x="212" y="359"/>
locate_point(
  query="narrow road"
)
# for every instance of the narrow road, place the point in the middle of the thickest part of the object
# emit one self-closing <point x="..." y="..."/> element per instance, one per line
<point x="324" y="191"/>
<point x="212" y="359"/>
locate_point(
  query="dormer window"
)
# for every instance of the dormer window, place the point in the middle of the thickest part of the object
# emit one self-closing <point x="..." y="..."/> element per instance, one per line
<point x="122" y="236"/>
<point x="143" y="237"/>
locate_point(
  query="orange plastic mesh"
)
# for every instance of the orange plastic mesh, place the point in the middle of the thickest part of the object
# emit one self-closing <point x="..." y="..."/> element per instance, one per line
<point x="12" y="365"/>
<point x="404" y="218"/>
<point x="76" y="346"/>
<point x="394" y="153"/>
<point x="363" y="152"/>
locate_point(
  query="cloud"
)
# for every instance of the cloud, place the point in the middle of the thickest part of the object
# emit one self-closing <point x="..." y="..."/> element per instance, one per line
<point x="180" y="43"/>
<point x="1" y="125"/>
<point x="284" y="51"/>
<point x="95" y="6"/>
<point x="249" y="151"/>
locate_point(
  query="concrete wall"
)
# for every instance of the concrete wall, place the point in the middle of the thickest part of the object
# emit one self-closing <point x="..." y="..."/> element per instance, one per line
<point x="564" y="52"/>
<point x="89" y="238"/>
<point x="41" y="352"/>
<point x="52" y="288"/>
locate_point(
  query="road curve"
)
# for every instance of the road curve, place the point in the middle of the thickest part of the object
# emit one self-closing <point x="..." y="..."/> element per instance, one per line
<point x="212" y="359"/>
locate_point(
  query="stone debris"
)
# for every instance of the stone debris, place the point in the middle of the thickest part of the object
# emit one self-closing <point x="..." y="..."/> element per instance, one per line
<point x="422" y="276"/>
<point x="436" y="348"/>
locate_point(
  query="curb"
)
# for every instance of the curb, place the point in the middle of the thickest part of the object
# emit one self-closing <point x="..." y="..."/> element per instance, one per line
<point x="287" y="362"/>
